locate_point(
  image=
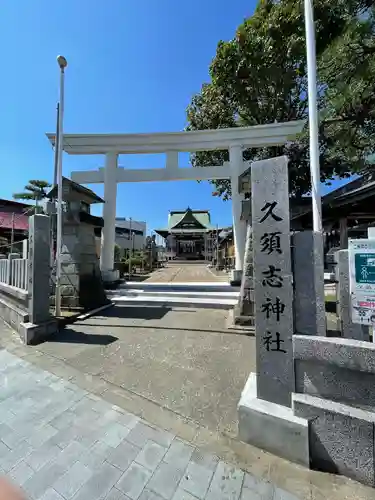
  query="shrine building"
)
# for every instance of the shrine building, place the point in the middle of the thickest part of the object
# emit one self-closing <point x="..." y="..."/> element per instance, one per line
<point x="189" y="235"/>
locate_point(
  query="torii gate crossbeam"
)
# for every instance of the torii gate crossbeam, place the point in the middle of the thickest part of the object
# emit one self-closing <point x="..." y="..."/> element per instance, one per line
<point x="112" y="145"/>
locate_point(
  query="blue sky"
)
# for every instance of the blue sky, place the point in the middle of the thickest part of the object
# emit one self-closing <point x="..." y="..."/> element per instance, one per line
<point x="133" y="67"/>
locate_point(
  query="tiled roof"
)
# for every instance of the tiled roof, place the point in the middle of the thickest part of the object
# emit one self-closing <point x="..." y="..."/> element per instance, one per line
<point x="19" y="223"/>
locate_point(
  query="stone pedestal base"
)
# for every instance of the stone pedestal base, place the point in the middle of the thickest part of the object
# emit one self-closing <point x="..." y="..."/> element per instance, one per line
<point x="235" y="277"/>
<point x="32" y="334"/>
<point x="109" y="276"/>
<point x="272" y="427"/>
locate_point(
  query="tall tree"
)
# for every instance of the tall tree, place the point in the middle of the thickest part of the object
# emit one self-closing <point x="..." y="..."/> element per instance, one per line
<point x="260" y="76"/>
<point x="35" y="190"/>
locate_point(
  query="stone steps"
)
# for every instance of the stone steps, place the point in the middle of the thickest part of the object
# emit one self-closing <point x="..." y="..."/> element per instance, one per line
<point x="198" y="295"/>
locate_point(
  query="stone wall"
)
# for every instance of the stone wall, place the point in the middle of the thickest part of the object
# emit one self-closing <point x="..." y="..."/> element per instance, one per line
<point x="81" y="281"/>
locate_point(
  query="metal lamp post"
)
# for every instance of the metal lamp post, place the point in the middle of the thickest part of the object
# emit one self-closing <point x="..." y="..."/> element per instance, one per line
<point x="62" y="62"/>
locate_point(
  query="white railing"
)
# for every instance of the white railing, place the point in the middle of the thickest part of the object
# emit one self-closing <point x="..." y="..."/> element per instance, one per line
<point x="18" y="273"/>
<point x="4" y="270"/>
<point x="13" y="272"/>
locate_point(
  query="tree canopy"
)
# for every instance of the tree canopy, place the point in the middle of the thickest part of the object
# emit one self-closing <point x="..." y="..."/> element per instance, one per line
<point x="260" y="76"/>
<point x="35" y="190"/>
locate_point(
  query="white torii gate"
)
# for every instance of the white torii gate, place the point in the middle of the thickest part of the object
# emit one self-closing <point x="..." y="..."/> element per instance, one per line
<point x="112" y="145"/>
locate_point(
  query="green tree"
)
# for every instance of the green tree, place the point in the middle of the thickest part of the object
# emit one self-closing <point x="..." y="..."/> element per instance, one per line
<point x="260" y="76"/>
<point x="35" y="190"/>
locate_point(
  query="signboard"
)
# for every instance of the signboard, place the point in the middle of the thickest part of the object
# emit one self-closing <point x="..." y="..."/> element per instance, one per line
<point x="362" y="280"/>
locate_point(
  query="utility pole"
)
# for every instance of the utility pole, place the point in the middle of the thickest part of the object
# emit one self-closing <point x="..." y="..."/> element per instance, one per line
<point x="12" y="235"/>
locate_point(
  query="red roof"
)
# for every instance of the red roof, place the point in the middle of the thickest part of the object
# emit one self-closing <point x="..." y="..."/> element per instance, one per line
<point x="20" y="222"/>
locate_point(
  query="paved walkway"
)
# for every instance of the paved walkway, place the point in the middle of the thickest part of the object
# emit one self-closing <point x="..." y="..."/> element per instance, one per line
<point x="59" y="442"/>
<point x="185" y="273"/>
<point x="62" y="438"/>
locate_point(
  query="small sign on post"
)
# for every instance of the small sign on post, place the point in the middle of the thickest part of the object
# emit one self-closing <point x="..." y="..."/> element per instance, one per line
<point x="362" y="280"/>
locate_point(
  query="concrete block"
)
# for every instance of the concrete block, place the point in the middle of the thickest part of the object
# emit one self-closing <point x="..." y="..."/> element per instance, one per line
<point x="341" y="437"/>
<point x="33" y="333"/>
<point x="151" y="455"/>
<point x="133" y="481"/>
<point x="308" y="271"/>
<point x="235" y="277"/>
<point x="226" y="483"/>
<point x="272" y="427"/>
<point x="329" y="381"/>
<point x="344" y="353"/>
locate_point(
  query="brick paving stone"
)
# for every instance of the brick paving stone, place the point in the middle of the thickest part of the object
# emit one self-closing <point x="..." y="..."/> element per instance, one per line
<point x="226" y="483"/>
<point x="179" y="453"/>
<point x="51" y="494"/>
<point x="183" y="495"/>
<point x="149" y="495"/>
<point x="100" y="483"/>
<point x="253" y="495"/>
<point x="115" y="434"/>
<point x="204" y="459"/>
<point x="143" y="433"/>
<point x="123" y="455"/>
<point x="133" y="481"/>
<point x="151" y="455"/>
<point x="116" y="494"/>
<point x="43" y="479"/>
<point x="21" y="473"/>
<point x="42" y="455"/>
<point x="41" y="435"/>
<point x="196" y="480"/>
<point x="68" y="484"/>
<point x="165" y="480"/>
<point x="96" y="455"/>
<point x="13" y="457"/>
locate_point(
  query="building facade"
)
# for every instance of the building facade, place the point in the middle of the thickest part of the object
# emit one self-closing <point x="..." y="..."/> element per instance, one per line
<point x="130" y="234"/>
<point x="189" y="235"/>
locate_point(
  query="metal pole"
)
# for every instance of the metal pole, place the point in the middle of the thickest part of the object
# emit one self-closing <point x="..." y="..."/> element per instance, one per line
<point x="217" y="246"/>
<point x="313" y="116"/>
<point x="12" y="235"/>
<point x="56" y="144"/>
<point x="62" y="63"/>
<point x="130" y="253"/>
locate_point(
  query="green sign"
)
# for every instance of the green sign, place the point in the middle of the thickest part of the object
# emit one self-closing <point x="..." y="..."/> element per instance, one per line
<point x="365" y="267"/>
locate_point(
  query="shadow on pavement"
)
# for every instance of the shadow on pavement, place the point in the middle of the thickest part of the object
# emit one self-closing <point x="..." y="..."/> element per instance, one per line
<point x="127" y="311"/>
<point x="69" y="336"/>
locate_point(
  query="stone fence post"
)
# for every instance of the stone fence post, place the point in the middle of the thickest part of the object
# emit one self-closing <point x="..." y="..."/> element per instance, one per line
<point x="39" y="269"/>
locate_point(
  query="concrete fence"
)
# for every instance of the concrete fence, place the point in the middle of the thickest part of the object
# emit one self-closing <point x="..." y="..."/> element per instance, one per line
<point x="25" y="285"/>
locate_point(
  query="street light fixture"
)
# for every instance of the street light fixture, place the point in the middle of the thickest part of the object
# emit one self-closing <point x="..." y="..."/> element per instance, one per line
<point x="62" y="62"/>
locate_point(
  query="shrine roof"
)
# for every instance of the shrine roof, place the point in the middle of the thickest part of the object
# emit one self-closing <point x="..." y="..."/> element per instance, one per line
<point x="201" y="218"/>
